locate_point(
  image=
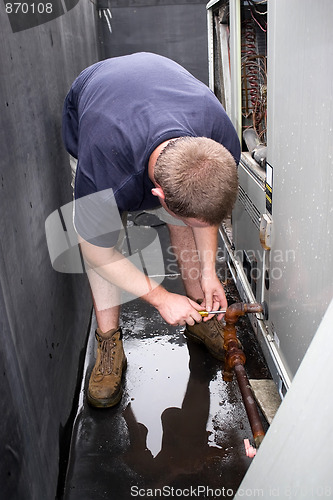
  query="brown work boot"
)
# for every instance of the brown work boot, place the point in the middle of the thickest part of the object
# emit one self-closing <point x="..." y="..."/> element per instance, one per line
<point x="105" y="387"/>
<point x="209" y="333"/>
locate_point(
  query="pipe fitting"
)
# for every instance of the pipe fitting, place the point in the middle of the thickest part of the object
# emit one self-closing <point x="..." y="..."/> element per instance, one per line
<point x="238" y="309"/>
<point x="234" y="356"/>
<point x="233" y="352"/>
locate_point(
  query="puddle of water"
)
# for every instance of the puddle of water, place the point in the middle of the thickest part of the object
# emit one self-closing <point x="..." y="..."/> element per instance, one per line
<point x="156" y="379"/>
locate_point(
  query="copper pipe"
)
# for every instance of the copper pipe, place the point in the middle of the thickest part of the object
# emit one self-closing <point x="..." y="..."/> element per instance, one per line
<point x="235" y="359"/>
<point x="238" y="309"/>
<point x="250" y="405"/>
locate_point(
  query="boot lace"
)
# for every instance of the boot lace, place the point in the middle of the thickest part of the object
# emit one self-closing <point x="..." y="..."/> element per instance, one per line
<point x="107" y="351"/>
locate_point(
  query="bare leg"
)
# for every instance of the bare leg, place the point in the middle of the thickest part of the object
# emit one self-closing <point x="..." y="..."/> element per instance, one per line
<point x="106" y="298"/>
<point x="105" y="387"/>
<point x="209" y="332"/>
<point x="184" y="247"/>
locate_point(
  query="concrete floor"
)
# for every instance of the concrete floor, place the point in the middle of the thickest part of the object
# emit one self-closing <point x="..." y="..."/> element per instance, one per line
<point x="179" y="425"/>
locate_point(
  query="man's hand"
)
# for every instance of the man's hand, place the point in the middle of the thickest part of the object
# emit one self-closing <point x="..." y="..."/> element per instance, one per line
<point x="214" y="296"/>
<point x="175" y="309"/>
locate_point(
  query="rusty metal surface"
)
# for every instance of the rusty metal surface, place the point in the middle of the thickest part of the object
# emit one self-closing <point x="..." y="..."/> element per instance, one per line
<point x="250" y="404"/>
<point x="235" y="360"/>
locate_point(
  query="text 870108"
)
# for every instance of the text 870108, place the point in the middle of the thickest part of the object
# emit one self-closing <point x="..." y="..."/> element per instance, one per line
<point x="28" y="8"/>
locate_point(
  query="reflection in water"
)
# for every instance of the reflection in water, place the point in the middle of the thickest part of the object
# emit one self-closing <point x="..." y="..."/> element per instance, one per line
<point x="185" y="448"/>
<point x="156" y="379"/>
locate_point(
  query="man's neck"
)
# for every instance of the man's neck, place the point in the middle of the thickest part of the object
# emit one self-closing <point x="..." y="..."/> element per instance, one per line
<point x="153" y="158"/>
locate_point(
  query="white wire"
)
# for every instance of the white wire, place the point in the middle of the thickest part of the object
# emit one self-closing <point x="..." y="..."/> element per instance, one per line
<point x="107" y="19"/>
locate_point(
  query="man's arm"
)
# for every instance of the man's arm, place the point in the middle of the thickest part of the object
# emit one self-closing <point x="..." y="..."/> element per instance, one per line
<point x="115" y="268"/>
<point x="206" y="242"/>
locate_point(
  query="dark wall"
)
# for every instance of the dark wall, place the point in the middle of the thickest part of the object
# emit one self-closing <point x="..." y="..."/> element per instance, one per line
<point x="44" y="315"/>
<point x="172" y="28"/>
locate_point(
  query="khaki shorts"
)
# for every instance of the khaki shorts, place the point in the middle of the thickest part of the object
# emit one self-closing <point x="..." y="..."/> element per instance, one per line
<point x="159" y="212"/>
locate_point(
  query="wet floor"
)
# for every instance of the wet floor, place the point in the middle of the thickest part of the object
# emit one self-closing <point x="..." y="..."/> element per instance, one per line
<point x="179" y="429"/>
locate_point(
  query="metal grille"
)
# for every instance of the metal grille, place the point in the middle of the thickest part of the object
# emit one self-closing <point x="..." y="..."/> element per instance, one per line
<point x="249" y="206"/>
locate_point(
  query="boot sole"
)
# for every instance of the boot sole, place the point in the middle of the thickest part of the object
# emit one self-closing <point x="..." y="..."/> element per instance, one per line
<point x="108" y="402"/>
<point x="198" y="340"/>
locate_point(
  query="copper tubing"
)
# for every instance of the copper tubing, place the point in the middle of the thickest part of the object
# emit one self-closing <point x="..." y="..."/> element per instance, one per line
<point x="250" y="405"/>
<point x="238" y="309"/>
<point x="233" y="352"/>
<point x="235" y="359"/>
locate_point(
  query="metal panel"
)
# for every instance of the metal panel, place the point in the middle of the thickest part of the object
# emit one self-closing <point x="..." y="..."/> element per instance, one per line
<point x="246" y="222"/>
<point x="298" y="278"/>
<point x="249" y="261"/>
<point x="300" y="150"/>
<point x="284" y="466"/>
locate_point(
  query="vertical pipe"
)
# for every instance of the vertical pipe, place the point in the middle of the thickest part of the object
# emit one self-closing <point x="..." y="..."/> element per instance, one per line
<point x="210" y="34"/>
<point x="235" y="359"/>
<point x="250" y="404"/>
<point x="235" y="64"/>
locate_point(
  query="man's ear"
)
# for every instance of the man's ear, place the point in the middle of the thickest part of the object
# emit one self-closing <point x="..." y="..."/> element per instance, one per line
<point x="158" y="191"/>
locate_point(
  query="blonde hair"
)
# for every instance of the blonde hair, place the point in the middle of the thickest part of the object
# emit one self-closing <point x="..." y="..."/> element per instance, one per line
<point x="198" y="177"/>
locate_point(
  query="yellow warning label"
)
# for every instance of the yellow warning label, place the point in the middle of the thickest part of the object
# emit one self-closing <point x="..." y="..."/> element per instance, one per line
<point x="269" y="187"/>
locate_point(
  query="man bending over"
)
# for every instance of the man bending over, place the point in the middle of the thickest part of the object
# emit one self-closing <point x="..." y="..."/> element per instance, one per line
<point x="144" y="129"/>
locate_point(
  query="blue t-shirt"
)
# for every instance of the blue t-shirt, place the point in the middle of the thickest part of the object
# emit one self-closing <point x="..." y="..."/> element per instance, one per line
<point x="119" y="110"/>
